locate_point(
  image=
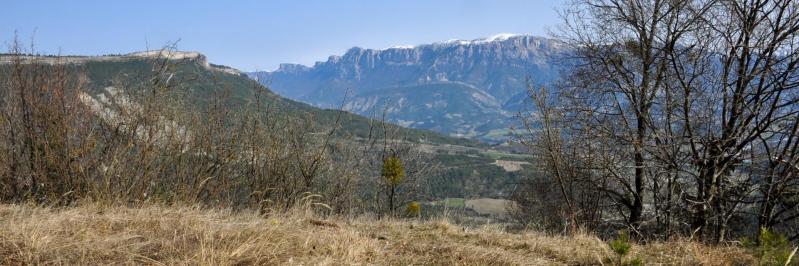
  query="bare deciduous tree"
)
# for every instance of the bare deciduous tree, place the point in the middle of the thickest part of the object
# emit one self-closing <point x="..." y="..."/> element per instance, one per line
<point x="685" y="111"/>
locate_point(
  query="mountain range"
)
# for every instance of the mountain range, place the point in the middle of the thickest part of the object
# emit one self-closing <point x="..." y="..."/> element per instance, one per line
<point x="464" y="88"/>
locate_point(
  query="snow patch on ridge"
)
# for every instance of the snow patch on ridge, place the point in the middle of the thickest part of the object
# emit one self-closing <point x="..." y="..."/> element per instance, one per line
<point x="499" y="37"/>
<point x="495" y="38"/>
<point x="402" y="47"/>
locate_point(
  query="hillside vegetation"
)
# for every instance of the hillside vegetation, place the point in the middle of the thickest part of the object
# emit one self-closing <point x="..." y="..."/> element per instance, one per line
<point x="223" y="115"/>
<point x="466" y="165"/>
<point x="457" y="109"/>
<point x="205" y="84"/>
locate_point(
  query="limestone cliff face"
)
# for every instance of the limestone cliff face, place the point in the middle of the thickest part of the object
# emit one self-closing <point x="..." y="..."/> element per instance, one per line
<point x="496" y="65"/>
<point x="413" y="82"/>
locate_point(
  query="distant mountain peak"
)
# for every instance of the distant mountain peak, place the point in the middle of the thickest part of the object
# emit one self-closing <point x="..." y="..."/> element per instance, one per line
<point x="357" y="50"/>
<point x="459" y="87"/>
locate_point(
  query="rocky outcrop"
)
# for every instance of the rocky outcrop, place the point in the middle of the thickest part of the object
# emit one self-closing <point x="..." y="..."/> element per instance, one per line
<point x="153" y="54"/>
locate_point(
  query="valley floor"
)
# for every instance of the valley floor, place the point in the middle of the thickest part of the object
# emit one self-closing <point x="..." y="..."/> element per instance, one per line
<point x="159" y="235"/>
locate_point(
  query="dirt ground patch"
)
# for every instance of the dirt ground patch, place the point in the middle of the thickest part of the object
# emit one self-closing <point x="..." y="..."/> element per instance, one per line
<point x="510" y="166"/>
<point x="487" y="206"/>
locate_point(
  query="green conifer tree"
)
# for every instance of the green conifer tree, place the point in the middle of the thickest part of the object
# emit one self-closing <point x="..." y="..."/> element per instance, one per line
<point x="394" y="174"/>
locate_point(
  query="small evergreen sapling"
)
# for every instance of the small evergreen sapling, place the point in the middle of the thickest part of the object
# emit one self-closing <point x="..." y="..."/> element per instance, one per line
<point x="621" y="247"/>
<point x="772" y="248"/>
<point x="393" y="173"/>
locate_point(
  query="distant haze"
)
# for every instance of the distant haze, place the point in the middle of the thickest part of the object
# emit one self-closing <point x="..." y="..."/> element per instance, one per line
<point x="259" y="35"/>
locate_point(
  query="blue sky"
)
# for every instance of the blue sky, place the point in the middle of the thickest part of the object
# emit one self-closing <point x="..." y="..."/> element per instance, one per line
<point x="259" y="35"/>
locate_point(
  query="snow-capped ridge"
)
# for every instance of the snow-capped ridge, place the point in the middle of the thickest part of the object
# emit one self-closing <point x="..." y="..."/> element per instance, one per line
<point x="498" y="37"/>
<point x="495" y="38"/>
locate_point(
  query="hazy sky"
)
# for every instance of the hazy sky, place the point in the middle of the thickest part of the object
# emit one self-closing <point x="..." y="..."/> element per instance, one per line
<point x="252" y="35"/>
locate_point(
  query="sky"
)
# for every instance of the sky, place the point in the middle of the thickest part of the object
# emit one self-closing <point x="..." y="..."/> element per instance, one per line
<point x="259" y="35"/>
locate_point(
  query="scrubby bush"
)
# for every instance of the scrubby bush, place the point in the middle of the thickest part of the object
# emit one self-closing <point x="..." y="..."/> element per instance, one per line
<point x="414" y="209"/>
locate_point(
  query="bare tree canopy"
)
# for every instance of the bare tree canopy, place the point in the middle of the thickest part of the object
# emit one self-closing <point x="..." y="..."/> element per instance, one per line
<point x="681" y="114"/>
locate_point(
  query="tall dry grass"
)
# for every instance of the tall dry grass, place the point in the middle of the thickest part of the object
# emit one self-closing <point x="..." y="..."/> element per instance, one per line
<point x="91" y="234"/>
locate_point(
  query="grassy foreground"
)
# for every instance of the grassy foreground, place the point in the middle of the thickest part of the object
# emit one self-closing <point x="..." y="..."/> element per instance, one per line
<point x="156" y="235"/>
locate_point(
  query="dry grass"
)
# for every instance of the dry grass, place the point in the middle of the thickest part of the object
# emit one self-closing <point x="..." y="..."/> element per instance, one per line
<point x="99" y="234"/>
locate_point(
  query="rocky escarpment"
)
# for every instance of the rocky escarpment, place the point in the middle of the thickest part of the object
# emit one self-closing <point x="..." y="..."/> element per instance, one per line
<point x="497" y="66"/>
<point x="153" y="54"/>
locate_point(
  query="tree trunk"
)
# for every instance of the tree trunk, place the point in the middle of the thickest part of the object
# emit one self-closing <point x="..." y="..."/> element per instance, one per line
<point x="391" y="200"/>
<point x="638" y="205"/>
